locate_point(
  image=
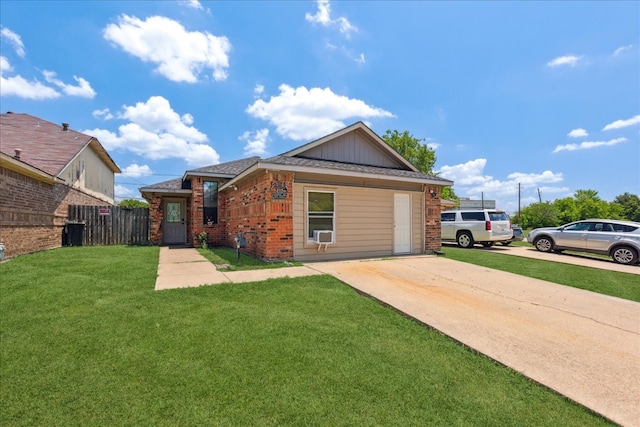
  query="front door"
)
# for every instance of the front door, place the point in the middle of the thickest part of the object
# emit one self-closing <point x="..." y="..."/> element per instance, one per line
<point x="175" y="229"/>
<point x="402" y="223"/>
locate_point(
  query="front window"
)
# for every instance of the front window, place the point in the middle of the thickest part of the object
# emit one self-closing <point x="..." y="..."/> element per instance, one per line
<point x="320" y="211"/>
<point x="210" y="203"/>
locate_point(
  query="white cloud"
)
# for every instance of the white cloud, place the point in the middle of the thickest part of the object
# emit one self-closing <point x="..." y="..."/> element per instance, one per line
<point x="157" y="132"/>
<point x="83" y="90"/>
<point x="14" y="40"/>
<point x="256" y="142"/>
<point x="360" y="59"/>
<point x="470" y="181"/>
<point x="588" y="145"/>
<point x="304" y="114"/>
<point x="578" y="133"/>
<point x="323" y="17"/>
<point x="5" y="65"/>
<point x="567" y="60"/>
<point x="180" y="55"/>
<point x="105" y="114"/>
<point x="121" y="192"/>
<point x="194" y="4"/>
<point x="258" y="90"/>
<point x="619" y="124"/>
<point x="135" y="171"/>
<point x="22" y="88"/>
<point x="622" y="49"/>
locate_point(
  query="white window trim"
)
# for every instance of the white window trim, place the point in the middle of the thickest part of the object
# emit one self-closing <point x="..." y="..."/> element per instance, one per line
<point x="308" y="240"/>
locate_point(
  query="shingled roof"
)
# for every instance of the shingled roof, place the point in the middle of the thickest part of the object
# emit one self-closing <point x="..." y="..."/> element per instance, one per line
<point x="45" y="145"/>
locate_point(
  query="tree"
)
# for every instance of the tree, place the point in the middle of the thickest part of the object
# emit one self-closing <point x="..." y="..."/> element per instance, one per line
<point x="417" y="153"/>
<point x="133" y="203"/>
<point x="539" y="215"/>
<point x="567" y="210"/>
<point x="411" y="148"/>
<point x="630" y="205"/>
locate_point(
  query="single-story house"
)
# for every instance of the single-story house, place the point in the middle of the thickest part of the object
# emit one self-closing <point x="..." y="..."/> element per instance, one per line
<point x="44" y="168"/>
<point x="346" y="195"/>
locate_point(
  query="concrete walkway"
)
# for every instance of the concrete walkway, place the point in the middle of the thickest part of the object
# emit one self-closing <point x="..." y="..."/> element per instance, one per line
<point x="583" y="345"/>
<point x="181" y="267"/>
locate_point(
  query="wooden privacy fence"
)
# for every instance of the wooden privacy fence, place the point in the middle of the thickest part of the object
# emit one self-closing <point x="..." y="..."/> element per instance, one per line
<point x="106" y="225"/>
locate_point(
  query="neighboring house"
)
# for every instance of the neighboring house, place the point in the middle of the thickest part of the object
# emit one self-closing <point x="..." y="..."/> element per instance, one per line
<point x="346" y="195"/>
<point x="44" y="168"/>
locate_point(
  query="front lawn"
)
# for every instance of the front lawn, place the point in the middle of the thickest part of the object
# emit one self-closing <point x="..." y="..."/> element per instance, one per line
<point x="227" y="260"/>
<point x="85" y="340"/>
<point x="617" y="284"/>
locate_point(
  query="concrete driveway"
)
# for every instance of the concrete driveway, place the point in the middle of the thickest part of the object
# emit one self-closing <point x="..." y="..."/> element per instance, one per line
<point x="584" y="345"/>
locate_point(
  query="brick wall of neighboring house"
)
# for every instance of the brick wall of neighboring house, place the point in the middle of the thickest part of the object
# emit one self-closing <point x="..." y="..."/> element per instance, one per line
<point x="265" y="220"/>
<point x="432" y="209"/>
<point x="33" y="213"/>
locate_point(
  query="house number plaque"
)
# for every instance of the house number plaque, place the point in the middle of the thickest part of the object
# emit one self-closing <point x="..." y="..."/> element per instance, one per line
<point x="279" y="190"/>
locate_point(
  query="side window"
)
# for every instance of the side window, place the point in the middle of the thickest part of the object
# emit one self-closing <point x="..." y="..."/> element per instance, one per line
<point x="473" y="216"/>
<point x="447" y="216"/>
<point x="581" y="226"/>
<point x="210" y="203"/>
<point x="320" y="211"/>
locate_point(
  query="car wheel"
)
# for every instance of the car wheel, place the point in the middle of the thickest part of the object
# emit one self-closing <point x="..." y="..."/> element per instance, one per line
<point x="487" y="244"/>
<point x="624" y="255"/>
<point x="543" y="244"/>
<point x="465" y="239"/>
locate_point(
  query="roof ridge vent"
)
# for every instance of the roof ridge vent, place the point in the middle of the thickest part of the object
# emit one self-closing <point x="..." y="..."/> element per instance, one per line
<point x="17" y="155"/>
<point x="65" y="126"/>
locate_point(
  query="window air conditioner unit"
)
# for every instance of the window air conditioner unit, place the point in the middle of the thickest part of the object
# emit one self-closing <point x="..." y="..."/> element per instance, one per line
<point x="323" y="237"/>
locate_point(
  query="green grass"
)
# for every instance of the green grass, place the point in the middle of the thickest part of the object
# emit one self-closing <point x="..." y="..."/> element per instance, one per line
<point x="229" y="258"/>
<point x="87" y="341"/>
<point x="617" y="284"/>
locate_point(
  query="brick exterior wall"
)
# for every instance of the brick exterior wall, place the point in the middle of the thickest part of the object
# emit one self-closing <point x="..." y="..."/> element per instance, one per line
<point x="266" y="222"/>
<point x="156" y="213"/>
<point x="33" y="213"/>
<point x="432" y="210"/>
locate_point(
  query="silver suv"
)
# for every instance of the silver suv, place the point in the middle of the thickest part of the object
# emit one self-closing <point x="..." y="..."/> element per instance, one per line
<point x="469" y="226"/>
<point x="618" y="239"/>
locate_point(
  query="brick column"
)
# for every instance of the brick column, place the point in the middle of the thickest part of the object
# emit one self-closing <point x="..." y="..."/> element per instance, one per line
<point x="432" y="209"/>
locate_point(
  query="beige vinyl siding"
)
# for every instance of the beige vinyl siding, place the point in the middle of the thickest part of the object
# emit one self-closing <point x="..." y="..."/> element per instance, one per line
<point x="363" y="223"/>
<point x="354" y="147"/>
<point x="88" y="173"/>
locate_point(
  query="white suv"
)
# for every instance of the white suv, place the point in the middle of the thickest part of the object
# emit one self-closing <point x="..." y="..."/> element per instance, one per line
<point x="469" y="226"/>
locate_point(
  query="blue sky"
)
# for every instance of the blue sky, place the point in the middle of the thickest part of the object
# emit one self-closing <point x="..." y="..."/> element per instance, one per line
<point x="541" y="94"/>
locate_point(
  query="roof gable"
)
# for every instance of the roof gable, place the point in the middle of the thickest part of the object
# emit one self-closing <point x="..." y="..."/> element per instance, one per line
<point x="355" y="144"/>
<point x="44" y="145"/>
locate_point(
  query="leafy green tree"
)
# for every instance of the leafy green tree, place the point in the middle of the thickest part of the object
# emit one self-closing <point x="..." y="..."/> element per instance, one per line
<point x="630" y="206"/>
<point x="417" y="153"/>
<point x="412" y="149"/>
<point x="567" y="210"/>
<point x="539" y="215"/>
<point x="133" y="203"/>
<point x="449" y="194"/>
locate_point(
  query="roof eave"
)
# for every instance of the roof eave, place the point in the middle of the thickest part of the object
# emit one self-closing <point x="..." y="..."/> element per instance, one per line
<point x="19" y="166"/>
<point x="333" y="172"/>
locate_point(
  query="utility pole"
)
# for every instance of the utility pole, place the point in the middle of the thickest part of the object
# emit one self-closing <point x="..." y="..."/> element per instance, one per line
<point x="519" y="203"/>
<point x="539" y="196"/>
